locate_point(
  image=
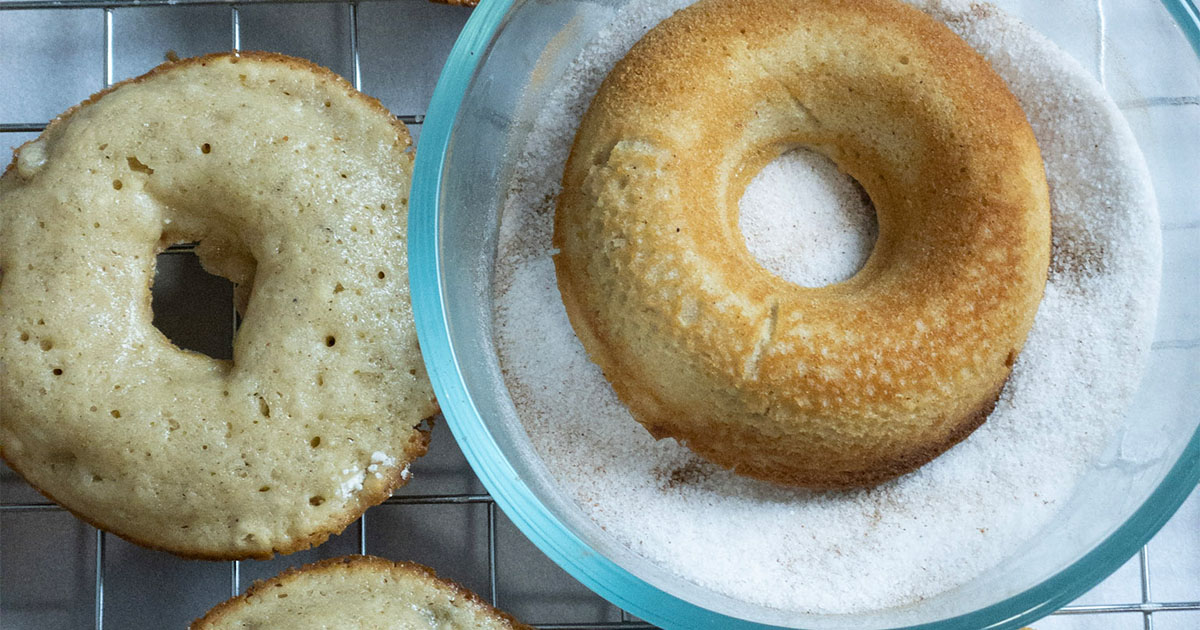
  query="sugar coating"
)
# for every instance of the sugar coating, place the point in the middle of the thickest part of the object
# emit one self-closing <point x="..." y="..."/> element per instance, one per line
<point x="381" y="461"/>
<point x="908" y="539"/>
<point x="353" y="484"/>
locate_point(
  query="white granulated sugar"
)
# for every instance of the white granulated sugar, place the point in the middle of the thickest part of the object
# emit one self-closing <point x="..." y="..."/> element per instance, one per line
<point x="353" y="484"/>
<point x="379" y="461"/>
<point x="929" y="531"/>
<point x="806" y="221"/>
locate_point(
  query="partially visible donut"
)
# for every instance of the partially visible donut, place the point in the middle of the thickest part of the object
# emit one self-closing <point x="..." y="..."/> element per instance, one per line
<point x="296" y="187"/>
<point x="840" y="386"/>
<point x="357" y="593"/>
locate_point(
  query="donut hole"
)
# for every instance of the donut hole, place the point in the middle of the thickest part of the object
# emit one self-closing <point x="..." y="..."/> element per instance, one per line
<point x="806" y="221"/>
<point x="193" y="308"/>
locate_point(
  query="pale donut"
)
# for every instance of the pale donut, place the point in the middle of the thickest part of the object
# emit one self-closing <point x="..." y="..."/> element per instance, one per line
<point x="296" y="186"/>
<point x="832" y="387"/>
<point x="357" y="593"/>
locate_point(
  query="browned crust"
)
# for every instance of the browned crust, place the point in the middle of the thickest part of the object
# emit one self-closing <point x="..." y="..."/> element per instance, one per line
<point x="409" y="570"/>
<point x="741" y="458"/>
<point x="902" y="463"/>
<point x="416" y="447"/>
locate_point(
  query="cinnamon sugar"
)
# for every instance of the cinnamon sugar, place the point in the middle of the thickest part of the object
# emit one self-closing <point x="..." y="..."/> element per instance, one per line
<point x="929" y="531"/>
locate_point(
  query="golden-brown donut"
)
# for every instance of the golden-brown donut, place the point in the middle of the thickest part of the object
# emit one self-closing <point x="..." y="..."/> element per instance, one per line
<point x="296" y="187"/>
<point x="832" y="387"/>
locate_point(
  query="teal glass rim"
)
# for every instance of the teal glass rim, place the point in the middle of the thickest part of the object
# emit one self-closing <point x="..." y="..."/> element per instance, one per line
<point x="549" y="533"/>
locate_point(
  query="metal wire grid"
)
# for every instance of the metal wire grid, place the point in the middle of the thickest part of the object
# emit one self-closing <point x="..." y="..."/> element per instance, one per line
<point x="235" y="582"/>
<point x="1147" y="606"/>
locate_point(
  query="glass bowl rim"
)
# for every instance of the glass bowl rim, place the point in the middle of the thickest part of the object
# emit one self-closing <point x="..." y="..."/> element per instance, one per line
<point x="550" y="534"/>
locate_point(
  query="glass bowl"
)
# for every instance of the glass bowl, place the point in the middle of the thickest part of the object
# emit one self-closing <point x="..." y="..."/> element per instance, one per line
<point x="506" y="60"/>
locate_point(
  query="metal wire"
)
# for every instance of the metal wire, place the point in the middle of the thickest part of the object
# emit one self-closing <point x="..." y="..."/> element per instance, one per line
<point x="354" y="45"/>
<point x="100" y="536"/>
<point x="37" y="127"/>
<point x="1147" y="607"/>
<point x="235" y="28"/>
<point x="100" y="579"/>
<point x="108" y="47"/>
<point x="1144" y="570"/>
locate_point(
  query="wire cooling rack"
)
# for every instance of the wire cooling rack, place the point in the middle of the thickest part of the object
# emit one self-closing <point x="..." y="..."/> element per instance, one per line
<point x="578" y="613"/>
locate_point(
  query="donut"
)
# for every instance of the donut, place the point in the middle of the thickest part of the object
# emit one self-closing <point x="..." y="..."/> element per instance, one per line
<point x="841" y="386"/>
<point x="296" y="188"/>
<point x="357" y="593"/>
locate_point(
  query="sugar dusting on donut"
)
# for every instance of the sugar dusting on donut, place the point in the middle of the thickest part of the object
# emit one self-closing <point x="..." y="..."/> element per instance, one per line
<point x="929" y="531"/>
